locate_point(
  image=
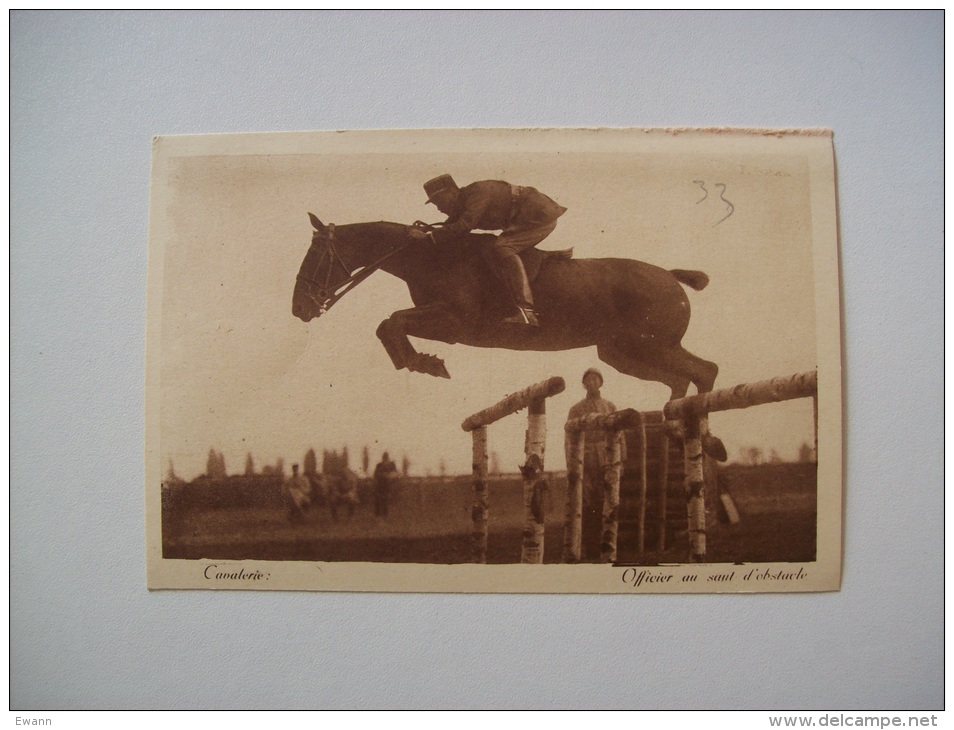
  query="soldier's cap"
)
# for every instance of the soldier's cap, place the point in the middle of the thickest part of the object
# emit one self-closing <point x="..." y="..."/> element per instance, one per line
<point x="596" y="372"/>
<point x="437" y="185"/>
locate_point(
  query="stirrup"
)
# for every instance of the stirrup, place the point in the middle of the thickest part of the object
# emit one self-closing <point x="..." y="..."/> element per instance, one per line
<point x="524" y="316"/>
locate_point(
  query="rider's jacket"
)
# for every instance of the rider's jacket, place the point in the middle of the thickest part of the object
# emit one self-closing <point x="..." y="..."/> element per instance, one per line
<point x="495" y="205"/>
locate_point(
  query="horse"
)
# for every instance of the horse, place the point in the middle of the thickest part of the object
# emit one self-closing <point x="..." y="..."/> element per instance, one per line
<point x="633" y="312"/>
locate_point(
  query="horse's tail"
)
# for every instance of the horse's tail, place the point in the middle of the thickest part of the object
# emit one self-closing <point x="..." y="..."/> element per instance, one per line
<point x="694" y="279"/>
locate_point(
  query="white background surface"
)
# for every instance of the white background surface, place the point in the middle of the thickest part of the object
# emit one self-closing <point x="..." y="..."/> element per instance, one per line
<point x="89" y="90"/>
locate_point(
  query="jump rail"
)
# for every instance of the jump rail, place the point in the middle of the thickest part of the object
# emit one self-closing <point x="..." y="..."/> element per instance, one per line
<point x="514" y="402"/>
<point x="801" y="385"/>
<point x="534" y="399"/>
<point x="692" y="411"/>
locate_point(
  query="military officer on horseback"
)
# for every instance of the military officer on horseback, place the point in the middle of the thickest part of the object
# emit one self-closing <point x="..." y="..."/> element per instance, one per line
<point x="524" y="216"/>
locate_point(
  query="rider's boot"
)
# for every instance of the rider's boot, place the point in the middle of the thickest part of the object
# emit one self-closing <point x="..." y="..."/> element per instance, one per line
<point x="515" y="277"/>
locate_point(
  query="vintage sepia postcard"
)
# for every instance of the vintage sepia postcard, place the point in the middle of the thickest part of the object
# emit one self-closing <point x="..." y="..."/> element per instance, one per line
<point x="514" y="361"/>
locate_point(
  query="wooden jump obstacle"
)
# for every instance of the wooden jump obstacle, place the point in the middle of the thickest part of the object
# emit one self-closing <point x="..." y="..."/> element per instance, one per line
<point x="683" y="421"/>
<point x="534" y="399"/>
<point x="646" y="467"/>
<point x="693" y="412"/>
<point x="611" y="424"/>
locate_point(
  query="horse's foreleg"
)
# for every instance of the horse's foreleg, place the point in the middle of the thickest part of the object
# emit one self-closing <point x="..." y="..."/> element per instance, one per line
<point x="430" y="322"/>
<point x="398" y="347"/>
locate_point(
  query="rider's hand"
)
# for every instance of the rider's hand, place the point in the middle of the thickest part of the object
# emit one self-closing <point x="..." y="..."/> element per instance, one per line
<point x="416" y="234"/>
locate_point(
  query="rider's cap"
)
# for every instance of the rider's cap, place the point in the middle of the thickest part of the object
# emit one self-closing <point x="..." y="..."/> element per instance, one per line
<point x="595" y="372"/>
<point x="438" y="184"/>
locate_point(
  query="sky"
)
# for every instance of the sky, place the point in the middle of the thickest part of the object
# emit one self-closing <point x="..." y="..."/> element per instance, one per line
<point x="240" y="374"/>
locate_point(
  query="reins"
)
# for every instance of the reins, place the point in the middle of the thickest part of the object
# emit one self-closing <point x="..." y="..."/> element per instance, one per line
<point x="352" y="280"/>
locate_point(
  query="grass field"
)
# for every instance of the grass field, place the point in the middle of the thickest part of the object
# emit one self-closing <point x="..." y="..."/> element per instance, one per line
<point x="429" y="522"/>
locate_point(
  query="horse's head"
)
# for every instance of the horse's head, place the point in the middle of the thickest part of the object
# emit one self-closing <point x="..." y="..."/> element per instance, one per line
<point x="321" y="274"/>
<point x="326" y="272"/>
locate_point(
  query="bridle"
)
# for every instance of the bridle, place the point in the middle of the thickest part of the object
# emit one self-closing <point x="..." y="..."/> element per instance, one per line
<point x="326" y="295"/>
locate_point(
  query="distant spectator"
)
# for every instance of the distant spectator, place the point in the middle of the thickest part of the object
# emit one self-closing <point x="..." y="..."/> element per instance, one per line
<point x="343" y="491"/>
<point x="319" y="495"/>
<point x="384" y="475"/>
<point x="297" y="493"/>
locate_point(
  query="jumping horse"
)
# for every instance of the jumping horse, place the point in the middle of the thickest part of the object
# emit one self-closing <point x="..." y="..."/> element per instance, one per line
<point x="633" y="312"/>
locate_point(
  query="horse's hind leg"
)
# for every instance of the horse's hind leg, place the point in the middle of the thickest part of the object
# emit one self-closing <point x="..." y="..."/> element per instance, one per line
<point x="629" y="361"/>
<point x="704" y="376"/>
<point x="672" y="366"/>
<point x="634" y="361"/>
<point x="678" y="360"/>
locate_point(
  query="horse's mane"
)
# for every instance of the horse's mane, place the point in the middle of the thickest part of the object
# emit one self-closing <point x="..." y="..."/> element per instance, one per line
<point x="397" y="232"/>
<point x="380" y="231"/>
<point x="377" y="228"/>
<point x="387" y="228"/>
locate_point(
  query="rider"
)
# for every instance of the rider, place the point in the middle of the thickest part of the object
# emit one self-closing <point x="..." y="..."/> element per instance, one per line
<point x="523" y="214"/>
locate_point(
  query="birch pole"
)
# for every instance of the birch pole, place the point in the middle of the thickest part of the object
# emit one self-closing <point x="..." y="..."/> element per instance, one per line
<point x="533" y="485"/>
<point x="611" y="424"/>
<point x="801" y="385"/>
<point x="534" y="399"/>
<point x="575" y="445"/>
<point x="514" y="402"/>
<point x="695" y="490"/>
<point x="611" y="474"/>
<point x="663" y="487"/>
<point x="479" y="512"/>
<point x="640" y="456"/>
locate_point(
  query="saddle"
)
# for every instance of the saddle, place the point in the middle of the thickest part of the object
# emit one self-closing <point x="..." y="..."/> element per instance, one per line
<point x="533" y="260"/>
<point x="496" y="295"/>
<point x="474" y="249"/>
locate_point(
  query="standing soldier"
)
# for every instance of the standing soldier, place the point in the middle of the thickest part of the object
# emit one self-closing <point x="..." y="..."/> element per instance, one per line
<point x="297" y="492"/>
<point x="343" y="492"/>
<point x="594" y="463"/>
<point x="384" y="474"/>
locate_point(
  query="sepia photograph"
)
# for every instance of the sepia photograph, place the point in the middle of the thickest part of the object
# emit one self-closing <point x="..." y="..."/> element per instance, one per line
<point x="494" y="360"/>
<point x="644" y="413"/>
<point x="454" y="360"/>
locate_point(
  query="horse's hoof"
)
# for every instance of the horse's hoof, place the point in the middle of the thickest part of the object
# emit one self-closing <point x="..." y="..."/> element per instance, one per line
<point x="428" y="364"/>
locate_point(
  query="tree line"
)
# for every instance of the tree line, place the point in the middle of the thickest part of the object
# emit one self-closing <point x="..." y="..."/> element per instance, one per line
<point x="755" y="455"/>
<point x="332" y="461"/>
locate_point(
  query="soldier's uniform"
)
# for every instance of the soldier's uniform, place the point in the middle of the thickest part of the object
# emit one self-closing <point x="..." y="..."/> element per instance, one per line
<point x="297" y="491"/>
<point x="524" y="215"/>
<point x="594" y="466"/>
